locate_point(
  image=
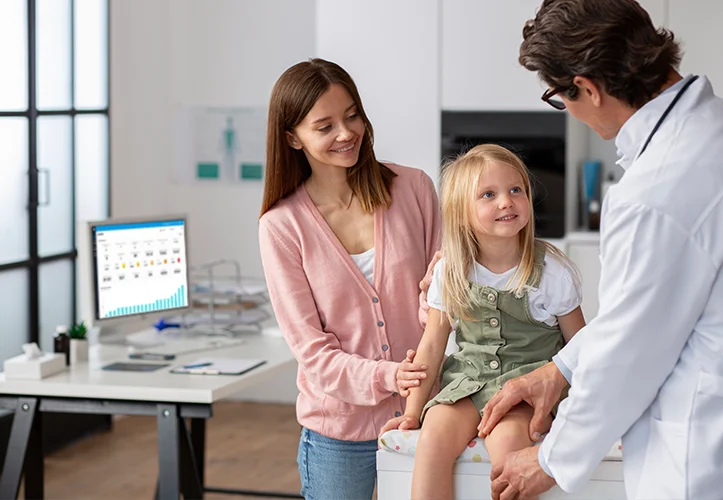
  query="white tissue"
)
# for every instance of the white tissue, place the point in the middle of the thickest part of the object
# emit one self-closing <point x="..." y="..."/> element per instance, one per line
<point x="32" y="351"/>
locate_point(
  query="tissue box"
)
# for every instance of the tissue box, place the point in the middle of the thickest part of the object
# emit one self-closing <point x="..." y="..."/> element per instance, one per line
<point x="20" y="367"/>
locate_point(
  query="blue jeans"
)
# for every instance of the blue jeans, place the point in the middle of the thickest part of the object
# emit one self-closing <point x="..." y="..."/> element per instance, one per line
<point x="336" y="470"/>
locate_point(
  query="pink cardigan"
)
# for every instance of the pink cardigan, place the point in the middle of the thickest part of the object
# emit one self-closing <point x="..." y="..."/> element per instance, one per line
<point x="348" y="336"/>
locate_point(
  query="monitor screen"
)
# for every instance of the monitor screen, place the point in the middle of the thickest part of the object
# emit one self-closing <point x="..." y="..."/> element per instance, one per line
<point x="139" y="267"/>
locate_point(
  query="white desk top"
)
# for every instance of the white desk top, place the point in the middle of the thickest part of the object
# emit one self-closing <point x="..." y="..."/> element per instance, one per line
<point x="90" y="381"/>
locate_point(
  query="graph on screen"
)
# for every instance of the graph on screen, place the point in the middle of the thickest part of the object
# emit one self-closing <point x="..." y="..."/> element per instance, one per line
<point x="140" y="268"/>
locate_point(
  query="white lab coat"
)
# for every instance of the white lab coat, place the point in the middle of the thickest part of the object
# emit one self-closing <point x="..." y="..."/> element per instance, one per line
<point x="649" y="367"/>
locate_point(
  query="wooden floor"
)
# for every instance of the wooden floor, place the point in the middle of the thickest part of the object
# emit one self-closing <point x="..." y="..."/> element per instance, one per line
<point x="248" y="446"/>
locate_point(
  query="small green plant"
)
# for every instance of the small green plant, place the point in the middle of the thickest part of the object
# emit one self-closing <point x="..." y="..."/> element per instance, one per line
<point x="78" y="331"/>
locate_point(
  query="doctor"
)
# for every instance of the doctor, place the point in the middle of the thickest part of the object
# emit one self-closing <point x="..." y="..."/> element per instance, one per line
<point x="649" y="367"/>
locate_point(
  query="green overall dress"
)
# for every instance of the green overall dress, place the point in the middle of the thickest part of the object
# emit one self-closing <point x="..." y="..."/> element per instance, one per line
<point x="503" y="342"/>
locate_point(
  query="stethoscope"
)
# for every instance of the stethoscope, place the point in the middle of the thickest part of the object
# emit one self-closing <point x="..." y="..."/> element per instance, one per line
<point x="667" y="110"/>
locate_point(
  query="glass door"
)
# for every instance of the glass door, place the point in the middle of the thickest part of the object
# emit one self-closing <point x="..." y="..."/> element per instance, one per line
<point x="54" y="156"/>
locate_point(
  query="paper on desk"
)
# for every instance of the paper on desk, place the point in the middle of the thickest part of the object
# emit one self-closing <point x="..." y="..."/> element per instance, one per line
<point x="223" y="317"/>
<point x="231" y="299"/>
<point x="272" y="331"/>
<point x="246" y="287"/>
<point x="224" y="366"/>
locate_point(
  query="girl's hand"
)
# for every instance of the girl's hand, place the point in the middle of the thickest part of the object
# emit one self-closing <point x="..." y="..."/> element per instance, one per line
<point x="409" y="374"/>
<point x="403" y="423"/>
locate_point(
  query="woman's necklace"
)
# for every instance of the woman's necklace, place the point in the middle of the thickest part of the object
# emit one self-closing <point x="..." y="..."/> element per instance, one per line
<point x="312" y="194"/>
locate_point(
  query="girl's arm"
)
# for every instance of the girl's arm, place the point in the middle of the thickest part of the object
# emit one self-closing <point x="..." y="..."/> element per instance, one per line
<point x="571" y="323"/>
<point x="431" y="353"/>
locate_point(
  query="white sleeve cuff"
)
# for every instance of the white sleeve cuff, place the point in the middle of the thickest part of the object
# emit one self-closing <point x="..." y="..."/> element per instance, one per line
<point x="543" y="462"/>
<point x="566" y="372"/>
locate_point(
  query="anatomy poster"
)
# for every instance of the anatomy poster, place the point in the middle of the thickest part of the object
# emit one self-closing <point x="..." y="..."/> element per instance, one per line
<point x="219" y="145"/>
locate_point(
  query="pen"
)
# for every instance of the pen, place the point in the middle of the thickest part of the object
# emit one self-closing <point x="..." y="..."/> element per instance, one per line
<point x="151" y="356"/>
<point x="204" y="372"/>
<point x="197" y="365"/>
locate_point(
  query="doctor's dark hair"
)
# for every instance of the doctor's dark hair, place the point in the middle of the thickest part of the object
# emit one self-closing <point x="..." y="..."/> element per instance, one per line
<point x="612" y="42"/>
<point x="294" y="94"/>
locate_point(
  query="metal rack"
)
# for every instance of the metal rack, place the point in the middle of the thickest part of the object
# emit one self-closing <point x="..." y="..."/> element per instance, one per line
<point x="227" y="302"/>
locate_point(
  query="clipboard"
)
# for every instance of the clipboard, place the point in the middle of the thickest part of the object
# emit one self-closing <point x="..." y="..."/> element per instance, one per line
<point x="219" y="366"/>
<point x="134" y="367"/>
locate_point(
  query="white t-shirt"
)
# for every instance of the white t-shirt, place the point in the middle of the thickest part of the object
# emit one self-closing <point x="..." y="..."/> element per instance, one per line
<point x="559" y="292"/>
<point x="365" y="263"/>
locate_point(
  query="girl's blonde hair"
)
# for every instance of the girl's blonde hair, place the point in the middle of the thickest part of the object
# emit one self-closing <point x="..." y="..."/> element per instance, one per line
<point x="460" y="183"/>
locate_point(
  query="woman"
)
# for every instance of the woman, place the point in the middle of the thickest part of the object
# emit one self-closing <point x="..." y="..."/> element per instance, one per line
<point x="345" y="241"/>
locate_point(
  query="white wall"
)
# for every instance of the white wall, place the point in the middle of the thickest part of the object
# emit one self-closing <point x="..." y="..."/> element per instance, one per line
<point x="140" y="66"/>
<point x="391" y="49"/>
<point x="480" y="50"/>
<point x="699" y="30"/>
<point x="166" y="53"/>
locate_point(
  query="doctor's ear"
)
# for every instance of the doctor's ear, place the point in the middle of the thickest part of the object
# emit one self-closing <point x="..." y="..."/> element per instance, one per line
<point x="293" y="141"/>
<point x="589" y="89"/>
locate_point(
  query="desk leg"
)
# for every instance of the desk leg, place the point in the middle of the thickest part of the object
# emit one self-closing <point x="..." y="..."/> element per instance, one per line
<point x="17" y="457"/>
<point x="34" y="473"/>
<point x="190" y="482"/>
<point x="198" y="441"/>
<point x="168" y="452"/>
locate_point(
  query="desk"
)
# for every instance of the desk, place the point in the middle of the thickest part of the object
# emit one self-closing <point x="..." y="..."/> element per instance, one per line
<point x="86" y="388"/>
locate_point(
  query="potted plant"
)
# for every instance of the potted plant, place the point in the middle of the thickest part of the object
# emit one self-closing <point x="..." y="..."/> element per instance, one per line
<point x="78" y="343"/>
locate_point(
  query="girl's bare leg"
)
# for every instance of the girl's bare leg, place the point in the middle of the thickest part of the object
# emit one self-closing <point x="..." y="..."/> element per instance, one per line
<point x="446" y="430"/>
<point x="512" y="433"/>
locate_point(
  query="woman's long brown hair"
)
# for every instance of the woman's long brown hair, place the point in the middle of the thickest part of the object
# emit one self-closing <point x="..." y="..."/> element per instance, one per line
<point x="293" y="96"/>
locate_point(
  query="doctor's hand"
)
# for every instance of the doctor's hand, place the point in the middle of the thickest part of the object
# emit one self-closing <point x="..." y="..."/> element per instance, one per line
<point x="520" y="477"/>
<point x="541" y="389"/>
<point x="409" y="374"/>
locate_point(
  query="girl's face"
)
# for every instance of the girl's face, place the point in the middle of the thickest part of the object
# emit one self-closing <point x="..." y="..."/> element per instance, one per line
<point x="332" y="132"/>
<point x="501" y="206"/>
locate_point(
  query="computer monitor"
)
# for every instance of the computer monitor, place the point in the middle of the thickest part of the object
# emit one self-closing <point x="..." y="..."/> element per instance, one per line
<point x="136" y="271"/>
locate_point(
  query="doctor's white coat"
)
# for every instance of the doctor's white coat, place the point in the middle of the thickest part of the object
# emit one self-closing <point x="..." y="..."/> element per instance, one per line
<point x="649" y="367"/>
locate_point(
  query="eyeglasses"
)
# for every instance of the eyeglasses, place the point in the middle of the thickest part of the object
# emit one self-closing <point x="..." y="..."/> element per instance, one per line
<point x="555" y="103"/>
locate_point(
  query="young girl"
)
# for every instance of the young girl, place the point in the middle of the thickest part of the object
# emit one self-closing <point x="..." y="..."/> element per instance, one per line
<point x="344" y="242"/>
<point x="514" y="300"/>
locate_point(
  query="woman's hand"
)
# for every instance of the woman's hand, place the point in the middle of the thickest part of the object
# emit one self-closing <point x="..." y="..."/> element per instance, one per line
<point x="403" y="423"/>
<point x="409" y="374"/>
<point x="427" y="280"/>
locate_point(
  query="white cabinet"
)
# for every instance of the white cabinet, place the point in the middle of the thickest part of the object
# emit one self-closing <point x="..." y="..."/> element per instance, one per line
<point x="480" y="47"/>
<point x="584" y="250"/>
<point x="391" y="50"/>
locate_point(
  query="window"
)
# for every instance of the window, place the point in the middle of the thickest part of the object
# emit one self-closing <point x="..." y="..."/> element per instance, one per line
<point x="54" y="152"/>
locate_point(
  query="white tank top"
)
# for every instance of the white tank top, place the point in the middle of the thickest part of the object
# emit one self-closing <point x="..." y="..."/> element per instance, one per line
<point x="365" y="263"/>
